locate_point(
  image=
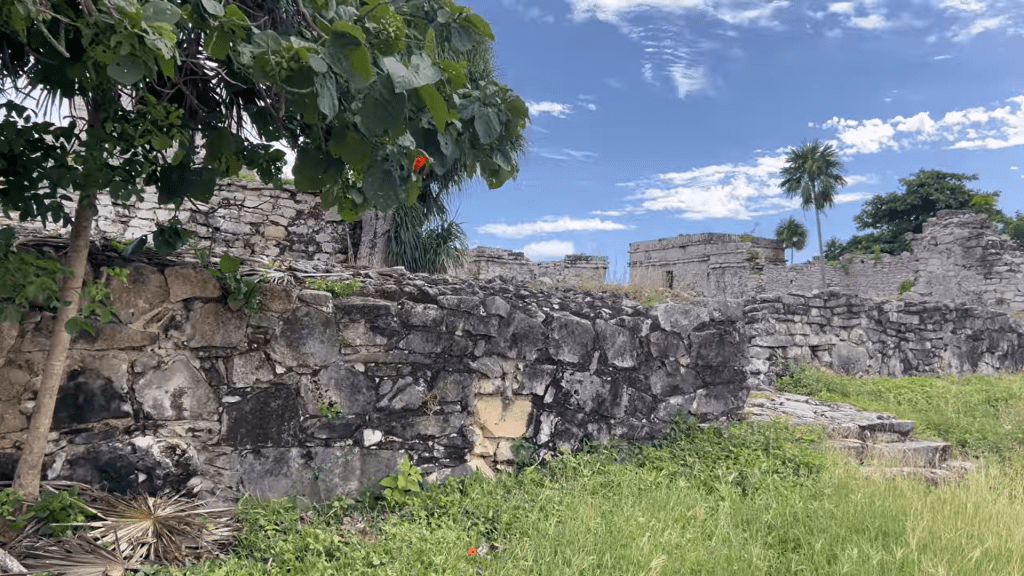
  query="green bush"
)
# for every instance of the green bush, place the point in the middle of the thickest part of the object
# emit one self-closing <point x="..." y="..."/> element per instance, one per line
<point x="335" y="288"/>
<point x="906" y="286"/>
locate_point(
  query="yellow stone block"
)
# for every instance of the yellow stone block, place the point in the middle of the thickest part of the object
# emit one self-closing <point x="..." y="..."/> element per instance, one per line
<point x="500" y="418"/>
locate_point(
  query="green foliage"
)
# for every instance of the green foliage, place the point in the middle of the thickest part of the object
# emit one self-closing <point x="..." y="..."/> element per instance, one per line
<point x="793" y="235"/>
<point x="97" y="302"/>
<point x="243" y="292"/>
<point x="892" y="216"/>
<point x="834" y="249"/>
<point x="328" y="410"/>
<point x="1014" y="228"/>
<point x="526" y="452"/>
<point x="747" y="237"/>
<point x="57" y="510"/>
<point x="9" y="501"/>
<point x="335" y="288"/>
<point x="877" y="255"/>
<point x="27" y="279"/>
<point x="906" y="286"/>
<point x="403" y="487"/>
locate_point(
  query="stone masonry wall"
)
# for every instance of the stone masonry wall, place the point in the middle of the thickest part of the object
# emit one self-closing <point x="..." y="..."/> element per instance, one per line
<point x="483" y="263"/>
<point x="855" y="274"/>
<point x="717" y="265"/>
<point x="181" y="391"/>
<point x="244" y="219"/>
<point x="866" y="337"/>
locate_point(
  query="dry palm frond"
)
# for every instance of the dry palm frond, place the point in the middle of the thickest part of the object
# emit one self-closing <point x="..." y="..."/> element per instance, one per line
<point x="165" y="529"/>
<point x="78" y="556"/>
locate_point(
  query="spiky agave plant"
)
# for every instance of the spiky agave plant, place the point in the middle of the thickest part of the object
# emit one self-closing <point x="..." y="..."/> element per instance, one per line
<point x="164" y="529"/>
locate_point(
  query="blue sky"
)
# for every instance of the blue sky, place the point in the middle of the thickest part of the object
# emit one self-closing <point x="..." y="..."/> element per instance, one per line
<point x="653" y="118"/>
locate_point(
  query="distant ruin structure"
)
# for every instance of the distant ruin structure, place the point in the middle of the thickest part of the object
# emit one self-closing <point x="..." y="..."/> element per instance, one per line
<point x="483" y="263"/>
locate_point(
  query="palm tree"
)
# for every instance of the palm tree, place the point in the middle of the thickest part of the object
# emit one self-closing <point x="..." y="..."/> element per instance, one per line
<point x="813" y="173"/>
<point x="793" y="235"/>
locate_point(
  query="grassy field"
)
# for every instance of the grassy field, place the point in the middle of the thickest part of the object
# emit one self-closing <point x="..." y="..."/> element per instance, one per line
<point x="756" y="498"/>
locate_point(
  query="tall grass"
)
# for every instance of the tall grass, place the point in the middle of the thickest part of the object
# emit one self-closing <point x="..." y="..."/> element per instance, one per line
<point x="752" y="499"/>
<point x="979" y="414"/>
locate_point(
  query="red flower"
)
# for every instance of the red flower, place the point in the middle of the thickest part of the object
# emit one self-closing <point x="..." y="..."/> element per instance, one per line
<point x="471" y="551"/>
<point x="420" y="162"/>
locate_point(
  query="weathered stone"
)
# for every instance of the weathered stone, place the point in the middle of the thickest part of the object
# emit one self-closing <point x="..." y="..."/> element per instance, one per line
<point x="572" y="338"/>
<point x="666" y="345"/>
<point x="673" y="382"/>
<point x="619" y="345"/>
<point x="277" y="299"/>
<point x="535" y="379"/>
<point x="351" y="391"/>
<point x="588" y="393"/>
<point x="214" y="324"/>
<point x="145" y="291"/>
<point x="680" y="318"/>
<point x="361" y="308"/>
<point x="267" y="417"/>
<point x="123" y="468"/>
<point x="500" y="418"/>
<point x="308" y="337"/>
<point x="177" y="392"/>
<point x="671" y="407"/>
<point x="247" y="369"/>
<point x="317" y="474"/>
<point x="190" y="282"/>
<point x="425" y="315"/>
<point x="719" y="346"/>
<point x="338" y="428"/>
<point x="470" y="304"/>
<point x="519" y="336"/>
<point x="453" y="387"/>
<point x="408" y="395"/>
<point x="848" y="359"/>
<point x="716" y="401"/>
<point x="496" y="306"/>
<point x="489" y="366"/>
<point x="88" y="396"/>
<point x="317" y="299"/>
<point x="8" y="334"/>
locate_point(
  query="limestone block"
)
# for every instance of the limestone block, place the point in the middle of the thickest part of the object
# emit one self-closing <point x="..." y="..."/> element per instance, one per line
<point x="145" y="291"/>
<point x="619" y="345"/>
<point x="849" y="359"/>
<point x="572" y="338"/>
<point x="318" y="474"/>
<point x="351" y="391"/>
<point x="470" y="304"/>
<point x="267" y="417"/>
<point x="8" y="334"/>
<point x="111" y="336"/>
<point x="275" y="233"/>
<point x="534" y="379"/>
<point x="214" y="324"/>
<point x="673" y="381"/>
<point x="426" y="315"/>
<point x="247" y="369"/>
<point x="494" y="305"/>
<point x="317" y="299"/>
<point x="479" y="465"/>
<point x="190" y="282"/>
<point x="88" y="396"/>
<point x="503" y="452"/>
<point x="277" y="299"/>
<point x="498" y="420"/>
<point x="177" y="392"/>
<point x="453" y="386"/>
<point x="519" y="336"/>
<point x="680" y="318"/>
<point x="670" y="407"/>
<point x="308" y="337"/>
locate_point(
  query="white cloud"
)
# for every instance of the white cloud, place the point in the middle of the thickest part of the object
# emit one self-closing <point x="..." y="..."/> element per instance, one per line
<point x="1011" y="168"/>
<point x="688" y="79"/>
<point x="550" y="225"/>
<point x="740" y="191"/>
<point x="556" y="109"/>
<point x="841" y="8"/>
<point x="623" y="212"/>
<point x="741" y="12"/>
<point x="979" y="26"/>
<point x="971" y="128"/>
<point x="548" y="249"/>
<point x="567" y="154"/>
<point x="870" y="22"/>
<point x="963" y="5"/>
<point x="943" y="57"/>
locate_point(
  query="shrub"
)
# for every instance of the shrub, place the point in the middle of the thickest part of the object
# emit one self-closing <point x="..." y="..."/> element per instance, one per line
<point x="335" y="288"/>
<point x="906" y="286"/>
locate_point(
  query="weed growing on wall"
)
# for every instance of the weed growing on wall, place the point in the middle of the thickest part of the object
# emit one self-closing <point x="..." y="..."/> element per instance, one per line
<point x="328" y="410"/>
<point x="335" y="288"/>
<point x="403" y="486"/>
<point x="906" y="286"/>
<point x="59" y="510"/>
<point x="243" y="293"/>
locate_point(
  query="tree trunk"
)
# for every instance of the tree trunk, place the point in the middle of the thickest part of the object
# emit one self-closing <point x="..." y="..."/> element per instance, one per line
<point x="375" y="243"/>
<point x="28" y="475"/>
<point x="821" y="249"/>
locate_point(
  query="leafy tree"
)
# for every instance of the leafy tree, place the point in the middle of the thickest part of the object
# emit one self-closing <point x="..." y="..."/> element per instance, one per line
<point x="834" y="249"/>
<point x="892" y="216"/>
<point x="793" y="235"/>
<point x="1014" y="228"/>
<point x="813" y="173"/>
<point x="177" y="94"/>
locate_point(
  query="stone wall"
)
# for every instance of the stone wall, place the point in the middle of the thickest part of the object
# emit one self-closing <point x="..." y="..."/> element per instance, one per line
<point x="867" y="337"/>
<point x="483" y="263"/>
<point x="180" y="390"/>
<point x="244" y="219"/>
<point x="718" y="265"/>
<point x="958" y="257"/>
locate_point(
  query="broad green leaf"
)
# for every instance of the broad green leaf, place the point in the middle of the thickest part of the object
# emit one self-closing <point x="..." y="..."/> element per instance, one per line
<point x="233" y="12"/>
<point x="503" y="159"/>
<point x="517" y="109"/>
<point x="266" y="40"/>
<point x="360" y="59"/>
<point x="382" y="187"/>
<point x="214" y="7"/>
<point x="318" y="63"/>
<point x="480" y="25"/>
<point x="382" y="110"/>
<point x="412" y="191"/>
<point x="350" y="30"/>
<point x="76" y="324"/>
<point x="160" y="11"/>
<point x="179" y="181"/>
<point x="169" y="237"/>
<point x="126" y="70"/>
<point x="229" y="264"/>
<point x="456" y="72"/>
<point x="430" y="44"/>
<point x="352" y="149"/>
<point x="447" y="143"/>
<point x="419" y="73"/>
<point x="217" y="45"/>
<point x="436" y="104"/>
<point x="308" y="171"/>
<point x="444" y="15"/>
<point x="136" y="247"/>
<point x="488" y="127"/>
<point x="327" y="95"/>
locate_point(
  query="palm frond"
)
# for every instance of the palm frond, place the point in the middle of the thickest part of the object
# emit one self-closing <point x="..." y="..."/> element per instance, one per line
<point x="78" y="556"/>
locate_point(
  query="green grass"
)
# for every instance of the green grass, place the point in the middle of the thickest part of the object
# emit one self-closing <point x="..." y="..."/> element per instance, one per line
<point x="753" y="499"/>
<point x="979" y="415"/>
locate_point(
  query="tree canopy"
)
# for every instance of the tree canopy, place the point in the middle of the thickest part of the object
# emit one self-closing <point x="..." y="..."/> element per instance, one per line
<point x="793" y="235"/>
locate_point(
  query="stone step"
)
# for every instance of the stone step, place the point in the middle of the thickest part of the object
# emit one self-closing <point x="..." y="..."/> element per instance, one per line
<point x="875" y="430"/>
<point x="911" y="454"/>
<point x="952" y="471"/>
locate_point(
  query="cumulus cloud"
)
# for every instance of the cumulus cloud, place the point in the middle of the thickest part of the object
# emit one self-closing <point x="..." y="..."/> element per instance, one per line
<point x="980" y="25"/>
<point x="870" y="22"/>
<point x="963" y="5"/>
<point x="971" y="128"/>
<point x="740" y="191"/>
<point x="548" y="249"/>
<point x="841" y="8"/>
<point x="550" y="225"/>
<point x="556" y="109"/>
